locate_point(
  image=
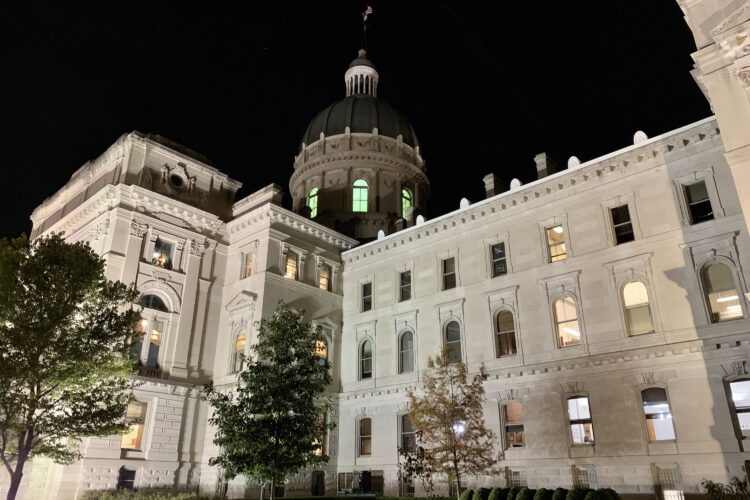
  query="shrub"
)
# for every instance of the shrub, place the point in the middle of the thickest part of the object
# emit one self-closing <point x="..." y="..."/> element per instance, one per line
<point x="604" y="494"/>
<point x="513" y="492"/>
<point x="525" y="494"/>
<point x="498" y="494"/>
<point x="577" y="494"/>
<point x="560" y="494"/>
<point x="613" y="494"/>
<point x="143" y="495"/>
<point x="467" y="495"/>
<point x="593" y="495"/>
<point x="543" y="494"/>
<point x="481" y="494"/>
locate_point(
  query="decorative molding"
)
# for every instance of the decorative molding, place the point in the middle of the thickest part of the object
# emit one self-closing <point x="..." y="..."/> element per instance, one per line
<point x="735" y="18"/>
<point x="100" y="230"/>
<point x="138" y="230"/>
<point x="159" y="283"/>
<point x="242" y="302"/>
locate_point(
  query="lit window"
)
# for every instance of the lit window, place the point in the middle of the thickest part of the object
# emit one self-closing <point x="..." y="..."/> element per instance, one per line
<point x="515" y="478"/>
<point x="556" y="243"/>
<point x="723" y="299"/>
<point x="622" y="224"/>
<point x="321" y="351"/>
<point x="698" y="202"/>
<point x="238" y="354"/>
<point x="359" y="196"/>
<point x="658" y="414"/>
<point x="499" y="260"/>
<point x="584" y="477"/>
<point x="669" y="484"/>
<point x="365" y="360"/>
<point x="449" y="273"/>
<point x="291" y="265"/>
<point x="320" y="442"/>
<point x="135" y="419"/>
<point x="404" y="286"/>
<point x="740" y="391"/>
<point x="154" y="343"/>
<point x="406" y="352"/>
<point x="453" y="342"/>
<point x="146" y="350"/>
<point x="154" y="302"/>
<point x="579" y="416"/>
<point x="162" y="256"/>
<point x="408" y="434"/>
<point x="513" y="416"/>
<point x="365" y="437"/>
<point x="247" y="265"/>
<point x="324" y="277"/>
<point x="312" y="202"/>
<point x="566" y="321"/>
<point x="505" y="334"/>
<point x="406" y="201"/>
<point x="637" y="308"/>
<point x="366" y="296"/>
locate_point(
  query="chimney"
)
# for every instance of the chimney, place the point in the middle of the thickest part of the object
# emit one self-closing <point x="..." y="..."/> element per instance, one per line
<point x="493" y="185"/>
<point x="544" y="165"/>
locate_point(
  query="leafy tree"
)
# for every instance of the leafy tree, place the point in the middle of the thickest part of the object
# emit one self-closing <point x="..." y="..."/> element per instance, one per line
<point x="737" y="489"/>
<point x="65" y="336"/>
<point x="272" y="423"/>
<point x="417" y="464"/>
<point x="449" y="419"/>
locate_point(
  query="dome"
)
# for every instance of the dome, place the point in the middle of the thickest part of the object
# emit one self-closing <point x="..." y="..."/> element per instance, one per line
<point x="361" y="113"/>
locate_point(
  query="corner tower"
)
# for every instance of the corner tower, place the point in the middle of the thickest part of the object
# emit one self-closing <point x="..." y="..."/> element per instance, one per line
<point x="359" y="168"/>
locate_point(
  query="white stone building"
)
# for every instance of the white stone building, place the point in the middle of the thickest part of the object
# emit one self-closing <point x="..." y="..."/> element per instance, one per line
<point x="608" y="300"/>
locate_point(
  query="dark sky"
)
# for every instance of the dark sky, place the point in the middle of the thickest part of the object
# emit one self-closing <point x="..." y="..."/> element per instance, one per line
<point x="487" y="85"/>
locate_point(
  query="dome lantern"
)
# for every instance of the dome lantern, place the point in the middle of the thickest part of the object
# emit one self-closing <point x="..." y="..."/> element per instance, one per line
<point x="361" y="77"/>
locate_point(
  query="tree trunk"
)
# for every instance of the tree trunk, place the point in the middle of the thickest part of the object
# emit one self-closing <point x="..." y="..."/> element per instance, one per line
<point x="273" y="488"/>
<point x="15" y="482"/>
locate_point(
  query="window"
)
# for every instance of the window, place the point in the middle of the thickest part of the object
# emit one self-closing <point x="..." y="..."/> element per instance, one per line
<point x="238" y="359"/>
<point x="699" y="204"/>
<point x="499" y="264"/>
<point x="658" y="415"/>
<point x="515" y="478"/>
<point x="637" y="308"/>
<point x="324" y="277"/>
<point x="312" y="202"/>
<point x="146" y="351"/>
<point x="408" y="434"/>
<point x="162" y="256"/>
<point x="366" y="296"/>
<point x="406" y="201"/>
<point x="721" y="295"/>
<point x="365" y="360"/>
<point x="154" y="302"/>
<point x="135" y="419"/>
<point x="579" y="417"/>
<point x="321" y="351"/>
<point x="505" y="334"/>
<point x="247" y="265"/>
<point x="449" y="273"/>
<point x="566" y="321"/>
<point x="556" y="243"/>
<point x="453" y="342"/>
<point x="406" y="352"/>
<point x="359" y="196"/>
<point x="291" y="265"/>
<point x="740" y="392"/>
<point x="584" y="477"/>
<point x="404" y="286"/>
<point x="669" y="484"/>
<point x="320" y="441"/>
<point x="622" y="224"/>
<point x="125" y="479"/>
<point x="365" y="437"/>
<point x="513" y="421"/>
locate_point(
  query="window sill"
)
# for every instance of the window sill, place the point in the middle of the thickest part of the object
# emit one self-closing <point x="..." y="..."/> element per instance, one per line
<point x="667" y="447"/>
<point x="582" y="450"/>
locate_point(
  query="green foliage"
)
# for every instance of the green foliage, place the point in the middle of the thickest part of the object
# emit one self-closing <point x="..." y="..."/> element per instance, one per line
<point x="577" y="494"/>
<point x="613" y="495"/>
<point x="144" y="495"/>
<point x="525" y="494"/>
<point x="607" y="494"/>
<point x="65" y="336"/>
<point x="271" y="425"/>
<point x="543" y="494"/>
<point x="513" y="492"/>
<point x="417" y="464"/>
<point x="481" y="494"/>
<point x="498" y="494"/>
<point x="466" y="495"/>
<point x="560" y="494"/>
<point x="593" y="495"/>
<point x="736" y="490"/>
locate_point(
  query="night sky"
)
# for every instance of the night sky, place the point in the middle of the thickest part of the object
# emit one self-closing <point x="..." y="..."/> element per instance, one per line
<point x="487" y="85"/>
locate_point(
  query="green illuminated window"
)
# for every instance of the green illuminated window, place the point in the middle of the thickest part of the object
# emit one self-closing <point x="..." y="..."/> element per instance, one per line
<point x="359" y="196"/>
<point x="406" y="201"/>
<point x="312" y="202"/>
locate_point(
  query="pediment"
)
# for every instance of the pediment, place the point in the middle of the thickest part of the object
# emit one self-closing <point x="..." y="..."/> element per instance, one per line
<point x="241" y="302"/>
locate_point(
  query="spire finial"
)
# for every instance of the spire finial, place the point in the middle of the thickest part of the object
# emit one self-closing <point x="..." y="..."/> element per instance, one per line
<point x="361" y="77"/>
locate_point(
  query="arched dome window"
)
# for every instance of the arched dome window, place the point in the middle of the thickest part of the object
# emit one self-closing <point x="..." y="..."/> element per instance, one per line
<point x="407" y="200"/>
<point x="359" y="195"/>
<point x="312" y="202"/>
<point x="152" y="301"/>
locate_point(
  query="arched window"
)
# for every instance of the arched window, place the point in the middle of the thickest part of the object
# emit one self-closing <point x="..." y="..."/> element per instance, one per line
<point x="365" y="436"/>
<point x="513" y="422"/>
<point x="505" y="334"/>
<point x="406" y="352"/>
<point x="407" y="200"/>
<point x="566" y="322"/>
<point x="637" y="308"/>
<point x="453" y="342"/>
<point x="238" y="360"/>
<point x="721" y="294"/>
<point x="312" y="202"/>
<point x="154" y="302"/>
<point x="321" y="351"/>
<point x="146" y="351"/>
<point x="658" y="414"/>
<point x="359" y="195"/>
<point x="365" y="360"/>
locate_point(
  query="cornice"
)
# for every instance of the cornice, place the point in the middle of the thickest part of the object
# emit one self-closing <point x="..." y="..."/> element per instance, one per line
<point x="304" y="288"/>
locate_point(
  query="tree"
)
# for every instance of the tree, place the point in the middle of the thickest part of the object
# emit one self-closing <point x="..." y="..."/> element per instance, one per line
<point x="272" y="423"/>
<point x="416" y="464"/>
<point x="449" y="419"/>
<point x="65" y="336"/>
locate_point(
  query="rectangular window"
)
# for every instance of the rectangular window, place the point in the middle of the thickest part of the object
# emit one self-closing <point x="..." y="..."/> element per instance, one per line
<point x="154" y="343"/>
<point x="556" y="243"/>
<point x="515" y="478"/>
<point x="366" y="296"/>
<point x="365" y="437"/>
<point x="584" y="477"/>
<point x="499" y="261"/>
<point x="581" y="427"/>
<point x="162" y="256"/>
<point x="404" y="286"/>
<point x="135" y="419"/>
<point x="408" y="434"/>
<point x="247" y="265"/>
<point x="514" y="436"/>
<point x="449" y="273"/>
<point x="699" y="204"/>
<point x="669" y="484"/>
<point x="324" y="277"/>
<point x="622" y="224"/>
<point x="740" y="391"/>
<point x="291" y="266"/>
<point x="125" y="479"/>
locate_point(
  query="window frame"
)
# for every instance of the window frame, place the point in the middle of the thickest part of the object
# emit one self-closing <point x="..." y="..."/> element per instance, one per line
<point x="742" y="436"/>
<point x="313" y="199"/>
<point x="558" y="220"/>
<point x="406" y="201"/>
<point x="740" y="291"/>
<point x="401" y="352"/>
<point x="706" y="175"/>
<point x="616" y="225"/>
<point x="360" y="437"/>
<point x="170" y="260"/>
<point x="234" y="352"/>
<point x="460" y="340"/>
<point x="645" y="416"/>
<point x="496" y="333"/>
<point x="624" y="307"/>
<point x="361" y="359"/>
<point x="247" y="256"/>
<point x="363" y="297"/>
<point x="609" y="205"/>
<point x="556" y="324"/>
<point x="591" y="481"/>
<point x="287" y="259"/>
<point x="142" y="436"/>
<point x="401" y="417"/>
<point x="329" y="278"/>
<point x="579" y="421"/>
<point x="357" y="200"/>
<point x="148" y="318"/>
<point x="401" y="286"/>
<point x="444" y="274"/>
<point x="505" y="425"/>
